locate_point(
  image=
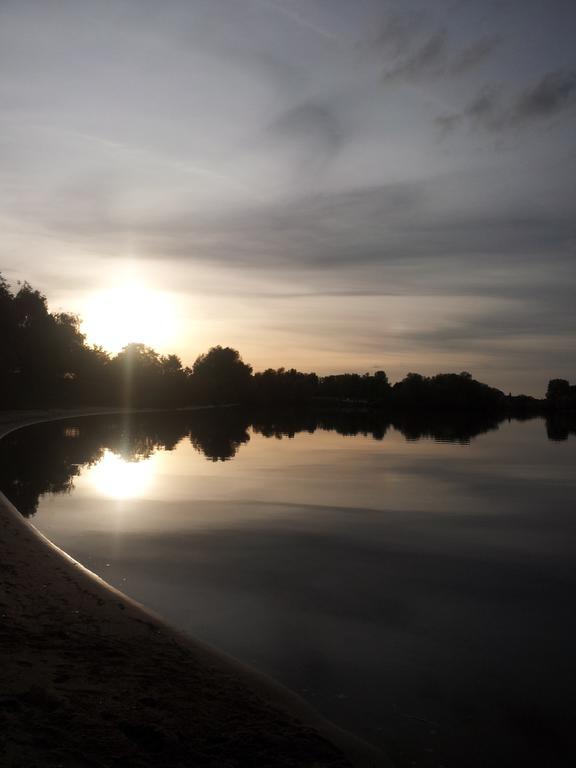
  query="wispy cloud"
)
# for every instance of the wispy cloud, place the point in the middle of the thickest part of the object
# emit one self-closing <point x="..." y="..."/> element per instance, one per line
<point x="396" y="238"/>
<point x="299" y="19"/>
<point x="428" y="60"/>
<point x="548" y="97"/>
<point x="398" y="32"/>
<point x="471" y="56"/>
<point x="552" y="94"/>
<point x="312" y="128"/>
<point x="414" y="49"/>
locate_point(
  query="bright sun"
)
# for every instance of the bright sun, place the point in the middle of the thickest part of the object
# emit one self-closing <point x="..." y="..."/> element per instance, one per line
<point x="127" y="313"/>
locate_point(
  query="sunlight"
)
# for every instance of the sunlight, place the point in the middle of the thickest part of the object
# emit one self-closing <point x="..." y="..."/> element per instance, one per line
<point x="120" y="479"/>
<point x="130" y="312"/>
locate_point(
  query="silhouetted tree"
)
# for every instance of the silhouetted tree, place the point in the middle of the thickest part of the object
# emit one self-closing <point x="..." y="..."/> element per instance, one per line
<point x="281" y="386"/>
<point x="557" y="388"/>
<point x="43" y="357"/>
<point x="446" y="391"/>
<point x="560" y="395"/>
<point x="221" y="376"/>
<point x="373" y="389"/>
<point x="145" y="378"/>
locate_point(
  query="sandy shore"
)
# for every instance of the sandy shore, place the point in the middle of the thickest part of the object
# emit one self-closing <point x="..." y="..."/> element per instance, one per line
<point x="88" y="677"/>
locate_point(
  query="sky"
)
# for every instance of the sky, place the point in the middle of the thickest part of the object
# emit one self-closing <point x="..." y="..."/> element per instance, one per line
<point x="324" y="184"/>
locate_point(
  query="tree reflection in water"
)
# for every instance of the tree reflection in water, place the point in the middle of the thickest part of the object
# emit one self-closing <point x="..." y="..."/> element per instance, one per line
<point x="45" y="458"/>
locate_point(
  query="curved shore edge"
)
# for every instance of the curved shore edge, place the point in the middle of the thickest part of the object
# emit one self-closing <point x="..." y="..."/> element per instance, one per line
<point x="90" y="677"/>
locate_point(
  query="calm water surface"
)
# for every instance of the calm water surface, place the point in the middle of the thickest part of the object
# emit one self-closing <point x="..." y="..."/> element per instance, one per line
<point x="419" y="592"/>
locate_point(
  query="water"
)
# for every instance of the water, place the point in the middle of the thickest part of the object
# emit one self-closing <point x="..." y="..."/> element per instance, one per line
<point x="420" y="592"/>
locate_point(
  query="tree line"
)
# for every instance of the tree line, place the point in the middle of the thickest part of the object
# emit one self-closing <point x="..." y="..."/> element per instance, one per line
<point x="45" y="361"/>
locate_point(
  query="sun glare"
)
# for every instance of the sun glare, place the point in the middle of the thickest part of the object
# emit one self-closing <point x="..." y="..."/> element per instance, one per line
<point x="127" y="313"/>
<point x="119" y="479"/>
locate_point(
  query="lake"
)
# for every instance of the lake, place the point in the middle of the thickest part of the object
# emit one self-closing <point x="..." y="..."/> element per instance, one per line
<point x="413" y="578"/>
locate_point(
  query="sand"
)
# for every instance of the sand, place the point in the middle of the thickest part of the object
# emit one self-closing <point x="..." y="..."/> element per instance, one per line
<point x="88" y="677"/>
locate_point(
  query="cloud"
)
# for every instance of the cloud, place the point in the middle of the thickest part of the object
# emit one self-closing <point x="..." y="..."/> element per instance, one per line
<point x="514" y="321"/>
<point x="448" y="123"/>
<point x="474" y="54"/>
<point x="309" y="123"/>
<point x="434" y="58"/>
<point x="424" y="229"/>
<point x="302" y="21"/>
<point x="551" y="95"/>
<point x="429" y="59"/>
<point x="347" y="265"/>
<point x="413" y="52"/>
<point x="486" y="109"/>
<point x="398" y="32"/>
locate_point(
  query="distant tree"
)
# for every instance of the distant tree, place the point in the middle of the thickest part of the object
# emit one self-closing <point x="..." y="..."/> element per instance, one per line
<point x="146" y="378"/>
<point x="410" y="391"/>
<point x="560" y="395"/>
<point x="557" y="389"/>
<point x="41" y="354"/>
<point x="343" y="386"/>
<point x="379" y="387"/>
<point x="171" y="364"/>
<point x="221" y="376"/>
<point x="8" y="362"/>
<point x="446" y="391"/>
<point x="174" y="381"/>
<point x="368" y="388"/>
<point x="275" y="386"/>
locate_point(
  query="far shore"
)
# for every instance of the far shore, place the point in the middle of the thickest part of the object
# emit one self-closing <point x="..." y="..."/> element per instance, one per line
<point x="89" y="677"/>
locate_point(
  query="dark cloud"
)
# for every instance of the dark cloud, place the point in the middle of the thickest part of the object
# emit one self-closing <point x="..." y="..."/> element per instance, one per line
<point x="415" y="50"/>
<point x="310" y="123"/>
<point x="398" y="32"/>
<point x="429" y="59"/>
<point x="425" y="229"/>
<point x="486" y="109"/>
<point x="518" y="321"/>
<point x="448" y="123"/>
<point x="473" y="55"/>
<point x="552" y="94"/>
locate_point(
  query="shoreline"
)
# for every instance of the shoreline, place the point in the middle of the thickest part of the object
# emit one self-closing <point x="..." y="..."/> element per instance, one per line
<point x="92" y="678"/>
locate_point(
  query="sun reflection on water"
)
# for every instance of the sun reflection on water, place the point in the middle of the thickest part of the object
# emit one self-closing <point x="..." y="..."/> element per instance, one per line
<point x="117" y="478"/>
